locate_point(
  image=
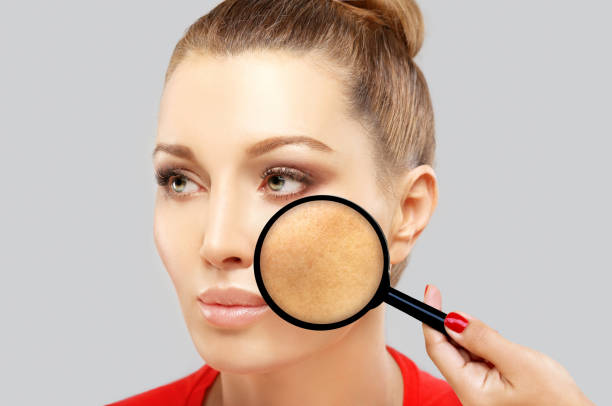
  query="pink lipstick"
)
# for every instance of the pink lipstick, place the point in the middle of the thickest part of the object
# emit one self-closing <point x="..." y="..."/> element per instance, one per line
<point x="231" y="307"/>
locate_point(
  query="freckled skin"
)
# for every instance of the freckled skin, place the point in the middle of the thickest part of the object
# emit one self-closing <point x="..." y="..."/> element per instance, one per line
<point x="321" y="262"/>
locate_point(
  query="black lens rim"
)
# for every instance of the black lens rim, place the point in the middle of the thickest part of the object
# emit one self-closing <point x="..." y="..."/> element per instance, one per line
<point x="376" y="300"/>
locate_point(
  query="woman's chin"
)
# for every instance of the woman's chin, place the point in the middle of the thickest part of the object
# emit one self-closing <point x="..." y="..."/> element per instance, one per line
<point x="254" y="355"/>
<point x="239" y="362"/>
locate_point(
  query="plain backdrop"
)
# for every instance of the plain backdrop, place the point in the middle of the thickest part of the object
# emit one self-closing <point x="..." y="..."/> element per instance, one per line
<point x="520" y="237"/>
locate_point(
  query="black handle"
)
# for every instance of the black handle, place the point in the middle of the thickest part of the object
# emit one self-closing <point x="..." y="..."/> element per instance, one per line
<point x="419" y="310"/>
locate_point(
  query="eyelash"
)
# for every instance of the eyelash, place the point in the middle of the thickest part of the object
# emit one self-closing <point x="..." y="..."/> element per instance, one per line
<point x="293" y="174"/>
<point x="164" y="177"/>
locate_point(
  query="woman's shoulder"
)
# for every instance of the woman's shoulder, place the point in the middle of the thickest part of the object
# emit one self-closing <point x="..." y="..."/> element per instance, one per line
<point x="420" y="387"/>
<point x="188" y="390"/>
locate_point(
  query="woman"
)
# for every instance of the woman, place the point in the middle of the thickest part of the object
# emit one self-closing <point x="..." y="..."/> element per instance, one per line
<point x="271" y="100"/>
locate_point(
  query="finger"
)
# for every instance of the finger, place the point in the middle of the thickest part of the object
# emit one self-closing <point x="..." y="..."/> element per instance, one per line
<point x="447" y="358"/>
<point x="481" y="340"/>
<point x="433" y="297"/>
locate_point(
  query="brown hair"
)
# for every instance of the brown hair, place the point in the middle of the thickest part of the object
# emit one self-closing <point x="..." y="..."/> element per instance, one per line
<point x="369" y="44"/>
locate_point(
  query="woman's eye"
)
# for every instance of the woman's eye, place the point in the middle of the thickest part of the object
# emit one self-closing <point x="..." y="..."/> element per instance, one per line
<point x="179" y="184"/>
<point x="285" y="182"/>
<point x="279" y="183"/>
<point x="175" y="183"/>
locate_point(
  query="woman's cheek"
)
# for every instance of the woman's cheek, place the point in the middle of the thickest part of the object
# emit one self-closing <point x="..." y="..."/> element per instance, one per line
<point x="172" y="240"/>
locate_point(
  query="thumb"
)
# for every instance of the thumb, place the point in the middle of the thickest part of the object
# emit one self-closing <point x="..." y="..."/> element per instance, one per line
<point x="481" y="340"/>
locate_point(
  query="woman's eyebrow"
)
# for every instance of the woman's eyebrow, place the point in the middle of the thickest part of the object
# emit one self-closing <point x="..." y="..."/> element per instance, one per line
<point x="269" y="144"/>
<point x="253" y="151"/>
<point x="178" y="150"/>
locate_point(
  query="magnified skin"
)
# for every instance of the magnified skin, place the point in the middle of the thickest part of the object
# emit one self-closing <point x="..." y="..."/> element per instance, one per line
<point x="321" y="261"/>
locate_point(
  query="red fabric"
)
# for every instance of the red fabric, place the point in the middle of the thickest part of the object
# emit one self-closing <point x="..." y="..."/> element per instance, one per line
<point x="420" y="388"/>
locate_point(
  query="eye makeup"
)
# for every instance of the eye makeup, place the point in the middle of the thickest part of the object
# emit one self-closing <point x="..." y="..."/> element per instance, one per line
<point x="165" y="177"/>
<point x="283" y="173"/>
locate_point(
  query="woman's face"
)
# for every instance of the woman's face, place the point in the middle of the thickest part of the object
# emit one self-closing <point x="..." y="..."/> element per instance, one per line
<point x="209" y="216"/>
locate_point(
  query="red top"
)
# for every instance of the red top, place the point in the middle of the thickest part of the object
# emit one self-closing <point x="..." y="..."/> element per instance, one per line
<point x="420" y="388"/>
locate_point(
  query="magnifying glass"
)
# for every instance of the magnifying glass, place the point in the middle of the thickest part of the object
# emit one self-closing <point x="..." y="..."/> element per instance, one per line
<point x="322" y="261"/>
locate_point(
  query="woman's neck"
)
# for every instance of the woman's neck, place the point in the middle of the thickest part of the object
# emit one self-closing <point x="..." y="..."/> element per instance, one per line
<point x="357" y="370"/>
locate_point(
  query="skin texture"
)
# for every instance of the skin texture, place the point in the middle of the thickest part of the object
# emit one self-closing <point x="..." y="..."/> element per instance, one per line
<point x="206" y="231"/>
<point x="486" y="369"/>
<point x="321" y="262"/>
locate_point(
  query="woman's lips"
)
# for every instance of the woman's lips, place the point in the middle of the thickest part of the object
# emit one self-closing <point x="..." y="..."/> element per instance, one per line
<point x="231" y="307"/>
<point x="231" y="316"/>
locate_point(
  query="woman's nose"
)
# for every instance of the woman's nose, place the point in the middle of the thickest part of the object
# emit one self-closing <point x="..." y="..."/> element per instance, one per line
<point x="226" y="239"/>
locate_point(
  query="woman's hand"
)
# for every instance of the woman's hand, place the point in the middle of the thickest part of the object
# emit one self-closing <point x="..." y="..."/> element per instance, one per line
<point x="484" y="368"/>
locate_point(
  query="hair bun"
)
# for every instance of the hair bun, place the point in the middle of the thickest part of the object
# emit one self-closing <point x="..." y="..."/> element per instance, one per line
<point x="403" y="16"/>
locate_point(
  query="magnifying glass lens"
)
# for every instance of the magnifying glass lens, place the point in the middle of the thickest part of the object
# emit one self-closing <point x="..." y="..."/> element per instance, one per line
<point x="321" y="262"/>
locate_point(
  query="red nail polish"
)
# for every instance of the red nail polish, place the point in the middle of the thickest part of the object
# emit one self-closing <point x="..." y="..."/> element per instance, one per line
<point x="426" y="287"/>
<point x="455" y="322"/>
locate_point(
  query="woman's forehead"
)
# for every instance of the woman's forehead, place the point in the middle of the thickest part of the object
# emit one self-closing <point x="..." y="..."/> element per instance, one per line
<point x="252" y="95"/>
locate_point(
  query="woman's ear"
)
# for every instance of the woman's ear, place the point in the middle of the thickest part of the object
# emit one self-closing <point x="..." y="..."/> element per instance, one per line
<point x="418" y="196"/>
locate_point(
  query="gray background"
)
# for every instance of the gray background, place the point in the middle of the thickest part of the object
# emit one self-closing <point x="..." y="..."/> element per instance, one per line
<point x="520" y="237"/>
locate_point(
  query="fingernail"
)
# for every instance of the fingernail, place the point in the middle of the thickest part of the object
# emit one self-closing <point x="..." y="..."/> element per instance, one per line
<point x="426" y="287"/>
<point x="455" y="322"/>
